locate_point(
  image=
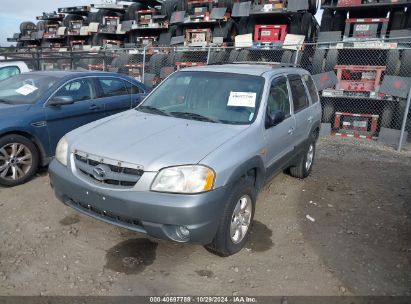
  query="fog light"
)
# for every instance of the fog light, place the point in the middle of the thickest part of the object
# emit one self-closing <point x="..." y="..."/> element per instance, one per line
<point x="183" y="232"/>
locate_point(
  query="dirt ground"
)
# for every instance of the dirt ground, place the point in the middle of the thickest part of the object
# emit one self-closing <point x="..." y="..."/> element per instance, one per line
<point x="346" y="230"/>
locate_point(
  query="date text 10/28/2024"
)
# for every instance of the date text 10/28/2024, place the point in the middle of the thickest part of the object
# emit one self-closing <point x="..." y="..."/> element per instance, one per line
<point x="203" y="299"/>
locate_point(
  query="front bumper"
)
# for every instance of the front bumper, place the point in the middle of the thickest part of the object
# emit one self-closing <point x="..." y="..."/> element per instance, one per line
<point x="156" y="214"/>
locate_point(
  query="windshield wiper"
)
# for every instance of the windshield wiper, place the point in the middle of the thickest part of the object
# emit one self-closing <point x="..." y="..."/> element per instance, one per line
<point x="193" y="116"/>
<point x="5" y="101"/>
<point x="153" y="110"/>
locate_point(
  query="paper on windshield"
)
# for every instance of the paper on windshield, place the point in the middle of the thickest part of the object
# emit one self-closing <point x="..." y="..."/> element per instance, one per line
<point x="242" y="99"/>
<point x="26" y="89"/>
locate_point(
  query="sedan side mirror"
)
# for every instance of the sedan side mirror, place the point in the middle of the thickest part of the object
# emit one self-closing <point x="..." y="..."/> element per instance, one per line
<point x="275" y="117"/>
<point x="61" y="100"/>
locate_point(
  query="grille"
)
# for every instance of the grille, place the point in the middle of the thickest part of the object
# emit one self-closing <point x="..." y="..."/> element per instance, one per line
<point x="109" y="216"/>
<point x="110" y="174"/>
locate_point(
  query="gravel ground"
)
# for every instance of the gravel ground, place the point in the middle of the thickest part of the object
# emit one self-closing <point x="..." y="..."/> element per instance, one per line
<point x="345" y="230"/>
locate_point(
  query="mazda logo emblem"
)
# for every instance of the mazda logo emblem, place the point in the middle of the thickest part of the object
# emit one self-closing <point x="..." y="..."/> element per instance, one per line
<point x="99" y="173"/>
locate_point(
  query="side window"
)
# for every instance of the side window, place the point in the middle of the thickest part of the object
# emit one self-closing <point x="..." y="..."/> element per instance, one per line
<point x="9" y="71"/>
<point x="79" y="89"/>
<point x="300" y="100"/>
<point x="311" y="88"/>
<point x="112" y="87"/>
<point x="278" y="99"/>
<point x="133" y="89"/>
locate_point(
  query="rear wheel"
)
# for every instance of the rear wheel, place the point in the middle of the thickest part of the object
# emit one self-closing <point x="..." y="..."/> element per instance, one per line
<point x="19" y="160"/>
<point x="305" y="165"/>
<point x="235" y="223"/>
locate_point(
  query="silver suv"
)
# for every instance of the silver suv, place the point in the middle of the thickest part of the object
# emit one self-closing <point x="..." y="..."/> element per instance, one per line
<point x="187" y="164"/>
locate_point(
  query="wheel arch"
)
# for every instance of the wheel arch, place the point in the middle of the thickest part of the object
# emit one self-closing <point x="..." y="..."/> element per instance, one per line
<point x="251" y="169"/>
<point x="43" y="161"/>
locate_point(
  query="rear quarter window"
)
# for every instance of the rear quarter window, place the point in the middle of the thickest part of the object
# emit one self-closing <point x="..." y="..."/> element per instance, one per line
<point x="312" y="89"/>
<point x="300" y="98"/>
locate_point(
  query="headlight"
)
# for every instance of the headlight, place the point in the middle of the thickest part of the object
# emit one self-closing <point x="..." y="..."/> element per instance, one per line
<point x="61" y="151"/>
<point x="184" y="179"/>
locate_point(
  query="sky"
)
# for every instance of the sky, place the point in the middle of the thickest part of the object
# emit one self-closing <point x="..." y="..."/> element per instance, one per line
<point x="14" y="12"/>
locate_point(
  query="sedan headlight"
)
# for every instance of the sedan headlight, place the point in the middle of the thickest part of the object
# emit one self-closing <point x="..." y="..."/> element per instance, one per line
<point x="184" y="179"/>
<point x="61" y="151"/>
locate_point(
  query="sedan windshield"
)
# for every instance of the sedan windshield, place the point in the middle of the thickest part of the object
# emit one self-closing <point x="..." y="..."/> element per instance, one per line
<point x="25" y="88"/>
<point x="207" y="96"/>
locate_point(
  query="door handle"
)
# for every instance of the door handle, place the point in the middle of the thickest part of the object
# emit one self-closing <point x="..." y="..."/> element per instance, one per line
<point x="310" y="119"/>
<point x="291" y="131"/>
<point x="94" y="107"/>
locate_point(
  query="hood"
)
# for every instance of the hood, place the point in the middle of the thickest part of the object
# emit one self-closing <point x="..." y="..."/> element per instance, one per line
<point x="9" y="109"/>
<point x="153" y="141"/>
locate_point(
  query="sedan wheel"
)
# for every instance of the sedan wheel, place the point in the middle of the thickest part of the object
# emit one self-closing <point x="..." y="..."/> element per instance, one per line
<point x="19" y="160"/>
<point x="16" y="161"/>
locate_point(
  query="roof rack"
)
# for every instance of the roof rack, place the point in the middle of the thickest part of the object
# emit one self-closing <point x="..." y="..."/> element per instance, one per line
<point x="271" y="63"/>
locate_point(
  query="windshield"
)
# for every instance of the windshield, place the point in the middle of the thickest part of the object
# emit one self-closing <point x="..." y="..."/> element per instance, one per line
<point x="25" y="88"/>
<point x="208" y="96"/>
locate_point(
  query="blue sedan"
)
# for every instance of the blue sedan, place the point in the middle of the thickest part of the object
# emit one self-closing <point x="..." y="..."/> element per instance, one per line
<point x="38" y="108"/>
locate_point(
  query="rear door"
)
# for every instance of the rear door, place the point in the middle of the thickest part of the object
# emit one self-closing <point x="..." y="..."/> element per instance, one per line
<point x="85" y="109"/>
<point x="118" y="95"/>
<point x="280" y="139"/>
<point x="302" y="113"/>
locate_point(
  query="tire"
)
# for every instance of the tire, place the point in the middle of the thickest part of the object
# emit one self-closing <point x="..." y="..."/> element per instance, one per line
<point x="407" y="19"/>
<point x="396" y="20"/>
<point x="393" y="61"/>
<point x="405" y="68"/>
<point x="306" y="162"/>
<point x="228" y="30"/>
<point x="28" y="170"/>
<point x="226" y="3"/>
<point x="165" y="37"/>
<point x="182" y="5"/>
<point x="97" y="40"/>
<point x="92" y="17"/>
<point x="41" y="25"/>
<point x="242" y="26"/>
<point x="286" y="56"/>
<point x="328" y="112"/>
<point x="313" y="6"/>
<point x="306" y="25"/>
<point x="233" y="56"/>
<point x="157" y="61"/>
<point x="168" y="7"/>
<point x="338" y="21"/>
<point x="295" y="25"/>
<point x="318" y="61"/>
<point x="105" y="13"/>
<point x="216" y="57"/>
<point x="120" y="61"/>
<point x="68" y="18"/>
<point x="386" y="116"/>
<point x="224" y="244"/>
<point x="326" y="21"/>
<point x="243" y="56"/>
<point x="27" y="26"/>
<point x="331" y="60"/>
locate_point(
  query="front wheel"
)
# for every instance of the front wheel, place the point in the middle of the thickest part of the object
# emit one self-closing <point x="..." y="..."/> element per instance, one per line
<point x="232" y="233"/>
<point x="18" y="160"/>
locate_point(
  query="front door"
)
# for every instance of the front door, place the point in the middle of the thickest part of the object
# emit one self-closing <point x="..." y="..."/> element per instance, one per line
<point x="85" y="108"/>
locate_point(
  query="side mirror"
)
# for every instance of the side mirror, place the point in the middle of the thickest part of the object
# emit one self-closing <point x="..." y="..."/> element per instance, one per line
<point x="61" y="101"/>
<point x="275" y="117"/>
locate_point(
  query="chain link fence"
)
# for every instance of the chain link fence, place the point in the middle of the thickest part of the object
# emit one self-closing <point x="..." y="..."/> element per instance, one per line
<point x="371" y="79"/>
